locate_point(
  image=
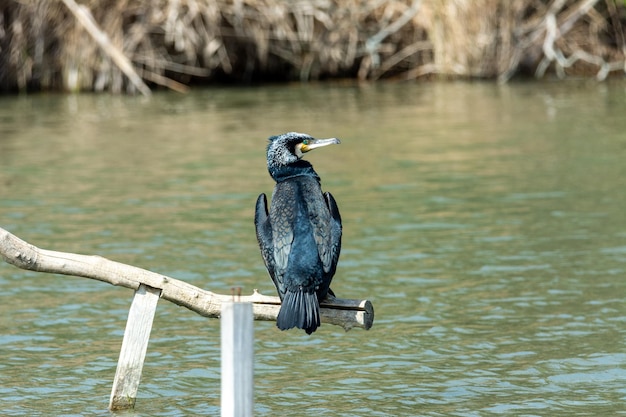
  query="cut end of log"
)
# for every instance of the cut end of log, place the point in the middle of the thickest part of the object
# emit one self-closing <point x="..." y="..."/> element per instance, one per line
<point x="368" y="314"/>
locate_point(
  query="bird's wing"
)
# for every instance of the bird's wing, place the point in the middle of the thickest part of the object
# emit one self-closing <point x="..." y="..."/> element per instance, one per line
<point x="335" y="230"/>
<point x="284" y="217"/>
<point x="264" y="237"/>
<point x="320" y="224"/>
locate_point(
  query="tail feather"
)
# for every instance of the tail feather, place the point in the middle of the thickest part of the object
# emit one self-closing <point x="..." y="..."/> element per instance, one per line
<point x="299" y="309"/>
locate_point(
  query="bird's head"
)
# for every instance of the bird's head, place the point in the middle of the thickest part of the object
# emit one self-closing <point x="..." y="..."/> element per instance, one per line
<point x="289" y="148"/>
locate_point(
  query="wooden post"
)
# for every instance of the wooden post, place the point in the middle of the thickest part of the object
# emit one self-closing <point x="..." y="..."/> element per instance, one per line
<point x="237" y="334"/>
<point x="134" y="347"/>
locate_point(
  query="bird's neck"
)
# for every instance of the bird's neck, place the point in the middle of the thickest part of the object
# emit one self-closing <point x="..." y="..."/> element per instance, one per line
<point x="300" y="168"/>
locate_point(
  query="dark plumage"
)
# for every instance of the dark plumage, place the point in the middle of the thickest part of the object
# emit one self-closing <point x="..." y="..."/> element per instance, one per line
<point x="300" y="236"/>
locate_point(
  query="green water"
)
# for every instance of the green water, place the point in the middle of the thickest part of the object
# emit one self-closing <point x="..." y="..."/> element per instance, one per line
<point x="485" y="223"/>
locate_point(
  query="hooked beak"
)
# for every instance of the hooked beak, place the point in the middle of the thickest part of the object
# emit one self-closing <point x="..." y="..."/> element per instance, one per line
<point x="318" y="143"/>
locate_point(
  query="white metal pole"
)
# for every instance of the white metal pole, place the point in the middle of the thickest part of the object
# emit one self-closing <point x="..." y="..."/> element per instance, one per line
<point x="237" y="335"/>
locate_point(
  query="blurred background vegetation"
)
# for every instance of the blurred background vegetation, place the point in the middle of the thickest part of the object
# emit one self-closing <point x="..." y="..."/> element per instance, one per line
<point x="134" y="45"/>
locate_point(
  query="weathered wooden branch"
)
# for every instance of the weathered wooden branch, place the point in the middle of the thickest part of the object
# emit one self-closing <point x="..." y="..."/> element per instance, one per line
<point x="341" y="312"/>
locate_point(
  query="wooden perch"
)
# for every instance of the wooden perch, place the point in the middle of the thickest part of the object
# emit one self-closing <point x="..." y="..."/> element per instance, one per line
<point x="340" y="312"/>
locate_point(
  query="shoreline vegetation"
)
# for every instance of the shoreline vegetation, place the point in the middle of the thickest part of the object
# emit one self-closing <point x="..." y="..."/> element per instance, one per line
<point x="133" y="46"/>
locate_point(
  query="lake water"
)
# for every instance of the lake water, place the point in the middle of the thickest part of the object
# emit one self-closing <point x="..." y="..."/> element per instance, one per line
<point x="485" y="223"/>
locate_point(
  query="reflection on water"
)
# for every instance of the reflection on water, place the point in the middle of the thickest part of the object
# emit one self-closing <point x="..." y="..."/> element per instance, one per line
<point x="485" y="223"/>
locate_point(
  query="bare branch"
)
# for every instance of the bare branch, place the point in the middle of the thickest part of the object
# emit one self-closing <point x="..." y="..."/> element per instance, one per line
<point x="83" y="15"/>
<point x="340" y="312"/>
<point x="552" y="53"/>
<point x="372" y="44"/>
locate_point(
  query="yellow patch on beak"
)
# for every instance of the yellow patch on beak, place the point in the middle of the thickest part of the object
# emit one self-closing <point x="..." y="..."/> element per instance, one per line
<point x="310" y="144"/>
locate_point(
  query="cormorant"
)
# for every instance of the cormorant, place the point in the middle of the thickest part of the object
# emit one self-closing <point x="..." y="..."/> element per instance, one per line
<point x="300" y="236"/>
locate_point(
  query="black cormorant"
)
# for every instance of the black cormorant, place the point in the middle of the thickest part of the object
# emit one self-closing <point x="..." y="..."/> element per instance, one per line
<point x="300" y="236"/>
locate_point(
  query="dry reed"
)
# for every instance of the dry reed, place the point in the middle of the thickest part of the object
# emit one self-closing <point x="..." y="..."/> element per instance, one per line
<point x="44" y="45"/>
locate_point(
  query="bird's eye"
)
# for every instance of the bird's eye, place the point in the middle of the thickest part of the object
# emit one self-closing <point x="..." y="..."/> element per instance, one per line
<point x="305" y="142"/>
